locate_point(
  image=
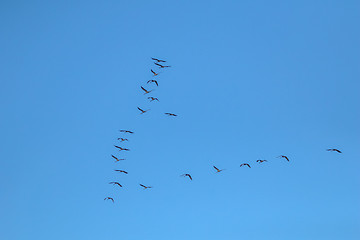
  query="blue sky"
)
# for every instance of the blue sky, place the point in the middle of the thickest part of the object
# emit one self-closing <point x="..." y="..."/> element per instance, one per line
<point x="249" y="80"/>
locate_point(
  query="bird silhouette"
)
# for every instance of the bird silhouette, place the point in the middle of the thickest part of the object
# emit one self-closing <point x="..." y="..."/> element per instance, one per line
<point x="161" y="66"/>
<point x="145" y="187"/>
<point x="155" y="74"/>
<point x="218" y="170"/>
<point x="118" y="159"/>
<point x="154" y="81"/>
<point x="283" y="156"/>
<point x="123" y="139"/>
<point x="171" y="114"/>
<point x="109" y="198"/>
<point x="153" y="99"/>
<point x="261" y="161"/>
<point x="186" y="175"/>
<point x="334" y="150"/>
<point x="115" y="183"/>
<point x="143" y="111"/>
<point x="146" y="91"/>
<point x="126" y="131"/>
<point x="122" y="149"/>
<point x="245" y="164"/>
<point x="122" y="171"/>
<point x="158" y="60"/>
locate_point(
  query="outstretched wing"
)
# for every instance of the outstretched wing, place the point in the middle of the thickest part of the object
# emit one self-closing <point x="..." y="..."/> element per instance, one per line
<point x="216" y="168"/>
<point x="143" y="89"/>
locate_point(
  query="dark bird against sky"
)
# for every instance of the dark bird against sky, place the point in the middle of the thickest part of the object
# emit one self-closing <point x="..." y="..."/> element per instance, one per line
<point x="218" y="170"/>
<point x="171" y="114"/>
<point x="261" y="161"/>
<point x="283" y="156"/>
<point x="245" y="164"/>
<point x="109" y="198"/>
<point x="118" y="159"/>
<point x="122" y="171"/>
<point x="143" y="111"/>
<point x="146" y="91"/>
<point x="123" y="139"/>
<point x="161" y="66"/>
<point x="153" y="99"/>
<point x="158" y="60"/>
<point x="126" y="131"/>
<point x="155" y="74"/>
<point x="333" y="150"/>
<point x="186" y="175"/>
<point x="115" y="183"/>
<point x="154" y="81"/>
<point x="122" y="149"/>
<point x="145" y="187"/>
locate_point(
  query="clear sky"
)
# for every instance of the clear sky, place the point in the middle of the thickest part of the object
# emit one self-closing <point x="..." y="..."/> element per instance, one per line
<point x="249" y="80"/>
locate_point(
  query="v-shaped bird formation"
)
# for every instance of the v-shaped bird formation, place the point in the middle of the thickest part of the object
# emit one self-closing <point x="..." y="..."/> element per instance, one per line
<point x="161" y="64"/>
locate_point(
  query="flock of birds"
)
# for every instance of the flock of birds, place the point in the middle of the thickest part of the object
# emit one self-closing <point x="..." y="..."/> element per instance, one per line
<point x="159" y="62"/>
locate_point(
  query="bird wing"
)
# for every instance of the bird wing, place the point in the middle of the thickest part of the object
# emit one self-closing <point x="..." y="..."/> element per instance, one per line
<point x="156" y="82"/>
<point x="140" y="109"/>
<point x="153" y="71"/>
<point x="142" y="185"/>
<point x="216" y="168"/>
<point x="143" y="89"/>
<point x="189" y="176"/>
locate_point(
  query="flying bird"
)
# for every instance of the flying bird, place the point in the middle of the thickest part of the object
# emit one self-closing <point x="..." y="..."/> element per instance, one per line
<point x="118" y="159"/>
<point x="218" y="170"/>
<point x="245" y="164"/>
<point x="282" y="156"/>
<point x="109" y="198"/>
<point x="260" y="161"/>
<point x="171" y="114"/>
<point x="334" y="150"/>
<point x="186" y="175"/>
<point x="158" y="60"/>
<point x="146" y="91"/>
<point x="155" y="74"/>
<point x="122" y="149"/>
<point x="153" y="99"/>
<point x="115" y="183"/>
<point x="161" y="66"/>
<point x="126" y="131"/>
<point x="122" y="171"/>
<point x="143" y="111"/>
<point x="123" y="139"/>
<point x="145" y="187"/>
<point x="154" y="81"/>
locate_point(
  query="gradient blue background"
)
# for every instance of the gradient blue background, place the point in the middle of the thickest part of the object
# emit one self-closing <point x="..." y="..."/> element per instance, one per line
<point x="250" y="80"/>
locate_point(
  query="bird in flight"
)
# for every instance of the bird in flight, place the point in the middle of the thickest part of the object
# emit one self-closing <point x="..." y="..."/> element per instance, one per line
<point x="115" y="183"/>
<point x="146" y="91"/>
<point x="109" y="198"/>
<point x="261" y="161"/>
<point x="145" y="187"/>
<point x="158" y="60"/>
<point x="245" y="164"/>
<point x="171" y="114"/>
<point x="123" y="139"/>
<point x="118" y="159"/>
<point x="143" y="111"/>
<point x="122" y="171"/>
<point x="334" y="150"/>
<point x="218" y="170"/>
<point x="122" y="149"/>
<point x="126" y="131"/>
<point x="155" y="74"/>
<point x="153" y="99"/>
<point x="282" y="156"/>
<point x="186" y="175"/>
<point x="154" y="81"/>
<point x="161" y="66"/>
